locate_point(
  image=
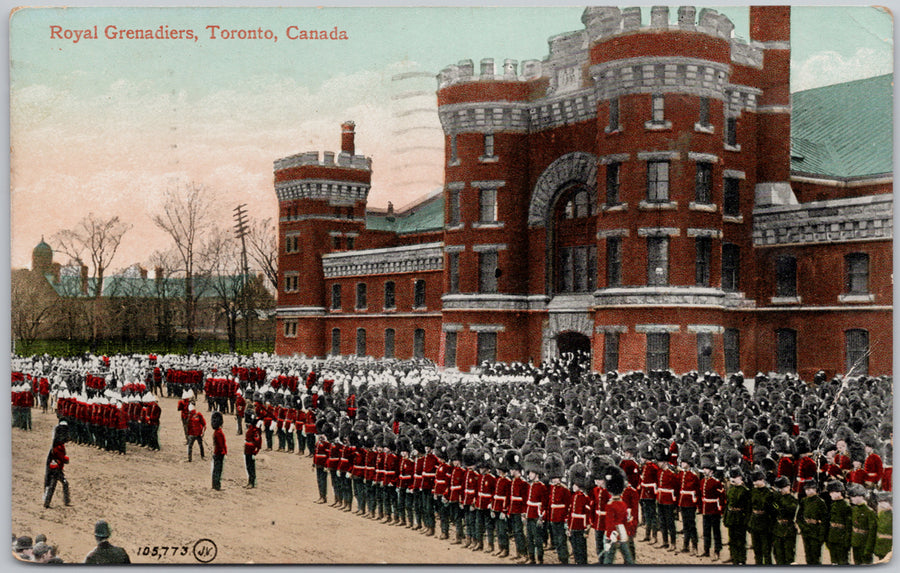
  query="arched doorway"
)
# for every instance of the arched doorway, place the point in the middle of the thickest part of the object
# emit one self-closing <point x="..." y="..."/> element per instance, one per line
<point x="572" y="342"/>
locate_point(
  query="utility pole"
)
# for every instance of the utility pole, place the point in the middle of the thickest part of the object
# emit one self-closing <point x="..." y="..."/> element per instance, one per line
<point x="240" y="231"/>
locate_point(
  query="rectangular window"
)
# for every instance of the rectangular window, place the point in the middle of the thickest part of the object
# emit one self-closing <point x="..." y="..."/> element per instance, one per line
<point x="450" y="349"/>
<point x="657" y="351"/>
<point x="611" y="351"/>
<point x="659" y="108"/>
<point x="291" y="282"/>
<point x="453" y="217"/>
<point x="613" y="261"/>
<point x="704" y="258"/>
<point x="857" y="273"/>
<point x="612" y="184"/>
<point x="419" y="343"/>
<point x="351" y="242"/>
<point x="292" y="244"/>
<point x="785" y="350"/>
<point x="389" y="343"/>
<point x="731" y="202"/>
<point x="335" y="242"/>
<point x="419" y="294"/>
<point x="487" y="203"/>
<point x="487" y="271"/>
<point x="732" y="342"/>
<point x="614" y="114"/>
<point x="390" y="300"/>
<point x="657" y="181"/>
<point x="487" y="347"/>
<point x="335" y="297"/>
<point x="703" y="184"/>
<point x="786" y="276"/>
<point x="488" y="144"/>
<point x="704" y="352"/>
<point x="577" y="269"/>
<point x="335" y="341"/>
<point x="290" y="328"/>
<point x="731" y="265"/>
<point x="360" y="341"/>
<point x="857" y="358"/>
<point x="361" y="295"/>
<point x="453" y="270"/>
<point x="657" y="261"/>
<point x="453" y="153"/>
<point x="704" y="111"/>
<point x="731" y="131"/>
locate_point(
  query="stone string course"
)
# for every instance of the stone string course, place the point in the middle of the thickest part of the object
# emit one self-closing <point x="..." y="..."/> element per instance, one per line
<point x="840" y="220"/>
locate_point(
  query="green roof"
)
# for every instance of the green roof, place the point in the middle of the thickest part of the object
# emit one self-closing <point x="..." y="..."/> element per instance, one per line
<point x="427" y="215"/>
<point x="844" y="130"/>
<point x="118" y="286"/>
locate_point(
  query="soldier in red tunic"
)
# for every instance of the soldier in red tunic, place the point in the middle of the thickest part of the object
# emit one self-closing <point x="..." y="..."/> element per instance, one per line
<point x="666" y="497"/>
<point x="518" y="494"/>
<point x="500" y="504"/>
<point x="484" y="523"/>
<point x="617" y="515"/>
<point x="252" y="444"/>
<point x="56" y="461"/>
<point x="873" y="464"/>
<point x="712" y="505"/>
<point x="535" y="506"/>
<point x="196" y="429"/>
<point x="220" y="449"/>
<point x="578" y="518"/>
<point x="688" y="497"/>
<point x="558" y="498"/>
<point x="805" y="468"/>
<point x="239" y="405"/>
<point x="648" y="485"/>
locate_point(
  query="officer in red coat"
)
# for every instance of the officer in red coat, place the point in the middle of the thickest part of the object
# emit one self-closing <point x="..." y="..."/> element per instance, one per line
<point x="252" y="444"/>
<point x="666" y="498"/>
<point x="712" y="505"/>
<point x="873" y="465"/>
<point x="688" y="497"/>
<point x="196" y="429"/>
<point x="535" y="505"/>
<point x="56" y="461"/>
<point x="220" y="449"/>
<point x="578" y="518"/>
<point x="648" y="485"/>
<point x="240" y="405"/>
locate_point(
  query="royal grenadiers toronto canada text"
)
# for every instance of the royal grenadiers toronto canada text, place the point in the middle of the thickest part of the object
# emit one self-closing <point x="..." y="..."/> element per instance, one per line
<point x="213" y="32"/>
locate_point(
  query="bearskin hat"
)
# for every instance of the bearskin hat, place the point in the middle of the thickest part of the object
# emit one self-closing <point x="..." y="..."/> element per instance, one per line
<point x="834" y="486"/>
<point x="552" y="443"/>
<point x="615" y="480"/>
<point x="802" y="445"/>
<point x="661" y="451"/>
<point x="513" y="460"/>
<point x="857" y="451"/>
<point x="554" y="466"/>
<point x="688" y="453"/>
<point x="762" y="438"/>
<point x="707" y="461"/>
<point x="730" y="457"/>
<point x="856" y="424"/>
<point x="390" y="443"/>
<point x="533" y="462"/>
<point x="856" y="490"/>
<point x="216" y="420"/>
<point x="578" y="475"/>
<point x="629" y="444"/>
<point x="470" y="457"/>
<point x="404" y="444"/>
<point x="61" y="432"/>
<point x="735" y="472"/>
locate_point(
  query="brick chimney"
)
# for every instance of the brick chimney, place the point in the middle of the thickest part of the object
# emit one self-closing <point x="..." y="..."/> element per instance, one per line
<point x="348" y="132"/>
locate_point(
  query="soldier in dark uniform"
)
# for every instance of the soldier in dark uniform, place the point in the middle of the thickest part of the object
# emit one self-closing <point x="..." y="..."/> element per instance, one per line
<point x="105" y="553"/>
<point x="838" y="540"/>
<point x="220" y="449"/>
<point x="812" y="518"/>
<point x="784" y="543"/>
<point x="862" y="538"/>
<point x="56" y="461"/>
<point x="761" y="519"/>
<point x="737" y="508"/>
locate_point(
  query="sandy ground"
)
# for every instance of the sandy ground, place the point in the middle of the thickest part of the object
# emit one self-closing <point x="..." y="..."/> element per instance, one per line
<point x="157" y="499"/>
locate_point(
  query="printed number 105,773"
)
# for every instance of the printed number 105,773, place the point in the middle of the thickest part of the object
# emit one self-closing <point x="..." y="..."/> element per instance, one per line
<point x="160" y="551"/>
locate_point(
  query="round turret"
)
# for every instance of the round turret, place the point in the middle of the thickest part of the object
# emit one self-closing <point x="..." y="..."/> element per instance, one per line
<point x="42" y="257"/>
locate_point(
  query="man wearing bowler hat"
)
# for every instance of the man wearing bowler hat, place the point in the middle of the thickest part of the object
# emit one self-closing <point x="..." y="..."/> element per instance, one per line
<point x="105" y="553"/>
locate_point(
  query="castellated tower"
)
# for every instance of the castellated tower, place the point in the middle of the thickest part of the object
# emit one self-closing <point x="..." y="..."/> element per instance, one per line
<point x="322" y="206"/>
<point x="602" y="199"/>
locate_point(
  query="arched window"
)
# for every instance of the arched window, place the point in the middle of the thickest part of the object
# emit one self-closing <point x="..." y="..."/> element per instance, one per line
<point x="360" y="341"/>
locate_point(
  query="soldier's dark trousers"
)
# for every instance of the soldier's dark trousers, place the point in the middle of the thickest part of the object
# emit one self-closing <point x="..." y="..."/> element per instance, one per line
<point x="379" y="499"/>
<point x="336" y="486"/>
<point x="689" y="521"/>
<point x="600" y="540"/>
<point x="190" y="448"/>
<point x="621" y="547"/>
<point x="54" y="476"/>
<point x="518" y="533"/>
<point x="812" y="549"/>
<point x="712" y="533"/>
<point x="322" y="482"/>
<point x="502" y="525"/>
<point x="840" y="554"/>
<point x="444" y="511"/>
<point x="268" y="439"/>
<point x="459" y="518"/>
<point x="289" y="439"/>
<point x="400" y="501"/>
<point x="470" y="521"/>
<point x="310" y="442"/>
<point x="250" y="465"/>
<point x="489" y="525"/>
<point x="534" y="535"/>
<point x="579" y="546"/>
<point x="648" y="511"/>
<point x="410" y="507"/>
<point x="737" y="545"/>
<point x="390" y="500"/>
<point x="558" y="534"/>
<point x="667" y="523"/>
<point x="762" y="547"/>
<point x="861" y="557"/>
<point x="154" y="437"/>
<point x="218" y="463"/>
<point x="359" y="488"/>
<point x="281" y="439"/>
<point x="240" y="424"/>
<point x="372" y="494"/>
<point x="120" y="440"/>
<point x="784" y="549"/>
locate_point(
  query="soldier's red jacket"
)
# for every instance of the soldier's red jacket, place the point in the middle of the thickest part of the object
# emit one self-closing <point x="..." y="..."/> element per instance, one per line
<point x="442" y="479"/>
<point x="787" y="468"/>
<point x="196" y="424"/>
<point x="310" y="427"/>
<point x="688" y="489"/>
<point x="371" y="457"/>
<point x="418" y="469"/>
<point x="239" y="405"/>
<point x="183" y="408"/>
<point x="348" y="454"/>
<point x="406" y="473"/>
<point x="457" y="484"/>
<point x="429" y="471"/>
<point x="649" y="480"/>
<point x="252" y="440"/>
<point x="502" y="489"/>
<point x="843" y="461"/>
<point x="579" y="511"/>
<point x="379" y="467"/>
<point x="219" y="446"/>
<point x="486" y="491"/>
<point x="667" y="492"/>
<point x="632" y="501"/>
<point x="557" y="508"/>
<point x="632" y="471"/>
<point x="320" y="458"/>
<point x="518" y="496"/>
<point x="359" y="462"/>
<point x="334" y="457"/>
<point x="874" y="468"/>
<point x="391" y="468"/>
<point x="886" y="477"/>
<point x="805" y="471"/>
<point x="712" y="496"/>
<point x="857" y="476"/>
<point x="599" y="499"/>
<point x="57" y="458"/>
<point x="616" y="515"/>
<point x="473" y="478"/>
<point x="536" y="500"/>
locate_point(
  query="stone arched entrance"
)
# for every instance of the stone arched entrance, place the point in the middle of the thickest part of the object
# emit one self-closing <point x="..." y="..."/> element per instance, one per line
<point x="572" y="342"/>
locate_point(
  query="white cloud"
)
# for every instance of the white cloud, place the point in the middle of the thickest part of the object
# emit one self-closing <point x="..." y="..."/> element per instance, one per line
<point x="830" y="67"/>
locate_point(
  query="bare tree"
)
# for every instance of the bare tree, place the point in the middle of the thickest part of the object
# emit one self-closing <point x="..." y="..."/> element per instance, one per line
<point x="164" y="265"/>
<point x="96" y="240"/>
<point x="262" y="245"/>
<point x="33" y="304"/>
<point x="221" y="272"/>
<point x="184" y="217"/>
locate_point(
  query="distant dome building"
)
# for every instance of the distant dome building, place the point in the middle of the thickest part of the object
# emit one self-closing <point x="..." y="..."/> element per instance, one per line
<point x="42" y="257"/>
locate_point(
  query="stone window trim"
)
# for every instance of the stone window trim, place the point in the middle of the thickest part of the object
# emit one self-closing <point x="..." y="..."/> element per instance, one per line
<point x="703" y="207"/>
<point x="660" y="206"/>
<point x="613" y="158"/>
<point x="786" y="300"/>
<point x="656" y="328"/>
<point x="487" y="328"/>
<point x="487" y="184"/>
<point x="290" y="328"/>
<point x="291" y="281"/>
<point x="451" y="327"/>
<point x="454" y="248"/>
<point x="658" y="155"/>
<point x="605" y="233"/>
<point x="455" y="185"/>
<point x="855" y="298"/>
<point x="611" y="328"/>
<point x="486" y="225"/>
<point x="459" y="227"/>
<point x="712" y="233"/>
<point x="606" y="208"/>
<point x="335" y="234"/>
<point x="658" y="126"/>
<point x="489" y="247"/>
<point x="732" y="219"/>
<point x="733" y="174"/>
<point x="703" y="157"/>
<point x="659" y="232"/>
<point x="705" y="328"/>
<point x="734" y="148"/>
<point x="700" y="128"/>
<point x="491" y="159"/>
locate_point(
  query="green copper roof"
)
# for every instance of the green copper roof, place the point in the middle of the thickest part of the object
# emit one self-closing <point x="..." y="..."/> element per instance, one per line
<point x="844" y="130"/>
<point x="428" y="215"/>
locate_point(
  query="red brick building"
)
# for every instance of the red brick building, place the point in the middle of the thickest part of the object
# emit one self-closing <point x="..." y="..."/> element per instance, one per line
<point x="653" y="194"/>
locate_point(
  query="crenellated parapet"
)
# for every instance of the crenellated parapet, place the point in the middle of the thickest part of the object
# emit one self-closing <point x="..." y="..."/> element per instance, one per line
<point x="605" y="21"/>
<point x="328" y="159"/>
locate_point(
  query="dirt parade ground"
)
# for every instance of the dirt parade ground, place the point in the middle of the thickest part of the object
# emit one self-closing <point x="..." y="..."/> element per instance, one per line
<point x="157" y="502"/>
